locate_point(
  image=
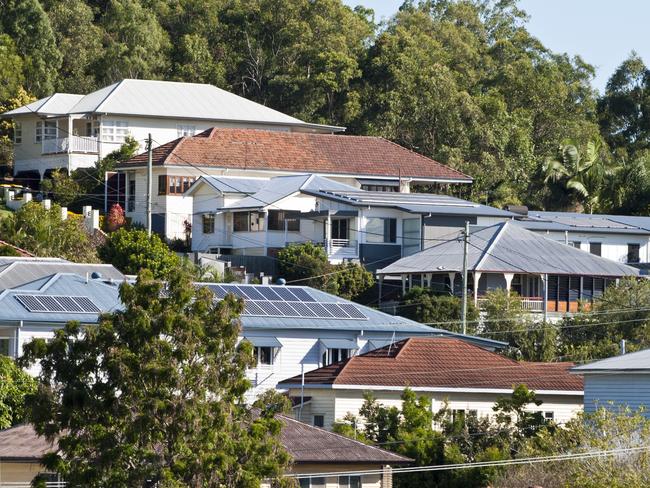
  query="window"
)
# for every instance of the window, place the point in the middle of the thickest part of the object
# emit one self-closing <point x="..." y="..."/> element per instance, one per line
<point x="334" y="355"/>
<point x="4" y="346"/>
<point x="349" y="481"/>
<point x="263" y="354"/>
<point x="379" y="188"/>
<point x="633" y="254"/>
<point x="596" y="248"/>
<point x="248" y="222"/>
<point x="92" y="128"/>
<point x="312" y="482"/>
<point x="410" y="236"/>
<point x="115" y="130"/>
<point x="208" y="223"/>
<point x="381" y="230"/>
<point x="18" y="133"/>
<point x="278" y="218"/>
<point x="575" y="244"/>
<point x="319" y="420"/>
<point x="174" y="185"/>
<point x="549" y="416"/>
<point x="131" y="202"/>
<point x="185" y="130"/>
<point x="45" y="129"/>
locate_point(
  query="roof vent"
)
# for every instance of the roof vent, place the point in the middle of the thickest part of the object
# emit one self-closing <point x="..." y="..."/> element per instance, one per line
<point x="281" y="281"/>
<point x="96" y="275"/>
<point x="518" y="209"/>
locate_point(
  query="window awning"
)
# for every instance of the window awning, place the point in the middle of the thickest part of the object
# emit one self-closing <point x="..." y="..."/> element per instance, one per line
<point x="377" y="182"/>
<point x="260" y="341"/>
<point x="339" y="343"/>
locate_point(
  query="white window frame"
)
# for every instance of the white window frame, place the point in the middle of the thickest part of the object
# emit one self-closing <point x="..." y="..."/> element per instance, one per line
<point x="344" y="481"/>
<point x="114" y="130"/>
<point x="257" y="352"/>
<point x="185" y="130"/>
<point x="18" y="132"/>
<point x="45" y="130"/>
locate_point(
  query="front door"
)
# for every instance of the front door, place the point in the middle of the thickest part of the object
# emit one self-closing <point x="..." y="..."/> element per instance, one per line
<point x="340" y="229"/>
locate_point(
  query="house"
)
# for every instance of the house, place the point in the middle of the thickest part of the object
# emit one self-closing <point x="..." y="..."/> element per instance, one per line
<point x="371" y="163"/>
<point x="549" y="276"/>
<point x="447" y="370"/>
<point x="246" y="216"/>
<point x="71" y="131"/>
<point x="313" y="450"/>
<point x="618" y="382"/>
<point x="621" y="238"/>
<point x="292" y="328"/>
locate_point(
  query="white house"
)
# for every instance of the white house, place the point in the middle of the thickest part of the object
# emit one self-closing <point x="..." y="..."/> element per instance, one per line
<point x="369" y="163"/>
<point x="469" y="379"/>
<point x="621" y="238"/>
<point x="72" y="131"/>
<point x="618" y="383"/>
<point x="257" y="217"/>
<point x="293" y="329"/>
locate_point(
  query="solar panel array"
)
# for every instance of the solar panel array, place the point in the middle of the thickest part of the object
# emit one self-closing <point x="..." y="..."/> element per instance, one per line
<point x="57" y="303"/>
<point x="289" y="302"/>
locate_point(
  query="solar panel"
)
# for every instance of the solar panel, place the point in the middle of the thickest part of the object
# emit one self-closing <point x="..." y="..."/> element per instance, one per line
<point x="252" y="293"/>
<point x="286" y="294"/>
<point x="352" y="311"/>
<point x="302" y="295"/>
<point x="270" y="309"/>
<point x="268" y="293"/>
<point x="244" y="290"/>
<point x="319" y="310"/>
<point x="303" y="310"/>
<point x="57" y="303"/>
<point x="335" y="310"/>
<point x="234" y="290"/>
<point x="253" y="308"/>
<point x="218" y="291"/>
<point x="286" y="309"/>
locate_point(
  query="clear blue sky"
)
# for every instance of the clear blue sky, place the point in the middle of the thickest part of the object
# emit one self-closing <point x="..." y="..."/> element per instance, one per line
<point x="603" y="32"/>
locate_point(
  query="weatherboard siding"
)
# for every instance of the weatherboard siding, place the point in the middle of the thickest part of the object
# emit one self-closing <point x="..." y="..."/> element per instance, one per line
<point x="617" y="390"/>
<point x="367" y="481"/>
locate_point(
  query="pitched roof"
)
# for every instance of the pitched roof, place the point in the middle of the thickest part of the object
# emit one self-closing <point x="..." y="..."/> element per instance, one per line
<point x="22" y="252"/>
<point x="634" y="361"/>
<point x="299" y="152"/>
<point x="441" y="363"/>
<point x="305" y="444"/>
<point x="169" y="99"/>
<point x="508" y="247"/>
<point x="586" y="223"/>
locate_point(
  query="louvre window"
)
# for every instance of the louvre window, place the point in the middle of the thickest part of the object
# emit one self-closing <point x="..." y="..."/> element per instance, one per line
<point x="319" y="421"/>
<point x="46" y="130"/>
<point x="596" y="248"/>
<point x="633" y="253"/>
<point x="279" y="218"/>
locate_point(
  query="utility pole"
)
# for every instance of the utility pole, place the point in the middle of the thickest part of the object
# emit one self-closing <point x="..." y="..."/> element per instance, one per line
<point x="149" y="182"/>
<point x="463" y="312"/>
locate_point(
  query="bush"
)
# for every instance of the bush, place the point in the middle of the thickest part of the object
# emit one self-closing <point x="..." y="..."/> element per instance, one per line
<point x="425" y="306"/>
<point x="133" y="250"/>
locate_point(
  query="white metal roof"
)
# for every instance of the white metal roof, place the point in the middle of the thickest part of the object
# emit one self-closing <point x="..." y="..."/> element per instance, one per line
<point x="637" y="361"/>
<point x="57" y="104"/>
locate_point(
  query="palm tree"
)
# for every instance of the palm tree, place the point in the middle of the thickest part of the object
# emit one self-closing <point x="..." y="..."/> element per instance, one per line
<point x="582" y="175"/>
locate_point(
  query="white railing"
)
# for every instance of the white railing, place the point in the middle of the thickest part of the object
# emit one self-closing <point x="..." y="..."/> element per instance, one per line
<point x="531" y="304"/>
<point x="340" y="243"/>
<point x="18" y="484"/>
<point x="70" y="144"/>
<point x="342" y="249"/>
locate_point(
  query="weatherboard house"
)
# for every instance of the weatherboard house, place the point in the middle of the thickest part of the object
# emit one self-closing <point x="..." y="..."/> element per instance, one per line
<point x="549" y="276"/>
<point x="293" y="329"/>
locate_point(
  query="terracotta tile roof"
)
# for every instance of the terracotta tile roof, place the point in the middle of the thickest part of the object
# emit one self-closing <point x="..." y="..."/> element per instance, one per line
<point x="298" y="152"/>
<point x="305" y="443"/>
<point x="441" y="363"/>
<point x="21" y="252"/>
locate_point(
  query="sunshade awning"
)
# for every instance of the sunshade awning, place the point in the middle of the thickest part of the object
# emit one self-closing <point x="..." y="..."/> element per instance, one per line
<point x="339" y="343"/>
<point x="260" y="341"/>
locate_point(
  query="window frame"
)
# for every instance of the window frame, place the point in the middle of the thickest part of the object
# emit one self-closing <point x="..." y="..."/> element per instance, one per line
<point x="258" y="352"/>
<point x="238" y="217"/>
<point x="328" y="354"/>
<point x="185" y="130"/>
<point x="633" y="248"/>
<point x="321" y="420"/>
<point x="174" y="184"/>
<point x="345" y="483"/>
<point x="388" y="235"/>
<point x="208" y="221"/>
<point x="596" y="245"/>
<point x="44" y="130"/>
<point x="114" y="130"/>
<point x="279" y="217"/>
<point x="18" y="133"/>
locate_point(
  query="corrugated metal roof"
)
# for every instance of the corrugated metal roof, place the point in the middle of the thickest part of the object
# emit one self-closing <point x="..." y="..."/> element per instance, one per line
<point x="226" y="184"/>
<point x="20" y="272"/>
<point x="586" y="223"/>
<point x="634" y="361"/>
<point x="508" y="247"/>
<point x="57" y="104"/>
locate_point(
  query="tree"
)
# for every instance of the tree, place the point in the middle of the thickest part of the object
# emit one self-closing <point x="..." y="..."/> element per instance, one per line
<point x="15" y="385"/>
<point x="44" y="233"/>
<point x="444" y="311"/>
<point x="131" y="250"/>
<point x="154" y="395"/>
<point x="304" y="263"/>
<point x="62" y="187"/>
<point x="115" y="219"/>
<point x="351" y="280"/>
<point x="512" y="412"/>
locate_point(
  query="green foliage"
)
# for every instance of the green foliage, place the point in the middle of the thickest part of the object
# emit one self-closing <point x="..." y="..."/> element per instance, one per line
<point x="6" y="250"/>
<point x="155" y="392"/>
<point x="15" y="385"/>
<point x="424" y="305"/>
<point x="307" y="264"/>
<point x="132" y="250"/>
<point x="513" y="411"/>
<point x="44" y="233"/>
<point x="63" y="188"/>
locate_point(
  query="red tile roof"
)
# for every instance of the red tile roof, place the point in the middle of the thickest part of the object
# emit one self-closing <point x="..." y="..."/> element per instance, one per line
<point x="20" y="251"/>
<point x="442" y="363"/>
<point x="298" y="152"/>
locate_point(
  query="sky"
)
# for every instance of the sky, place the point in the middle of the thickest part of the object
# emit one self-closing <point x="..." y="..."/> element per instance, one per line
<point x="602" y="32"/>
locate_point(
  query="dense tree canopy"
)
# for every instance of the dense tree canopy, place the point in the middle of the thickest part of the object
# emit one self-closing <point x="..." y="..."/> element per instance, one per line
<point x="461" y="81"/>
<point x="15" y="385"/>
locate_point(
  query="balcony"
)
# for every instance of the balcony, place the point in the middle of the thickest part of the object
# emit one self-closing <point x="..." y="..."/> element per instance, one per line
<point x="530" y="304"/>
<point x="341" y="249"/>
<point x="72" y="144"/>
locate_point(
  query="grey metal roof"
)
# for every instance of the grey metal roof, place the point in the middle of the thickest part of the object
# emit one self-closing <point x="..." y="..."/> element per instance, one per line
<point x="57" y="104"/>
<point x="18" y="272"/>
<point x="423" y="203"/>
<point x="281" y="187"/>
<point x="227" y="184"/>
<point x="586" y="223"/>
<point x="508" y="247"/>
<point x="634" y="361"/>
